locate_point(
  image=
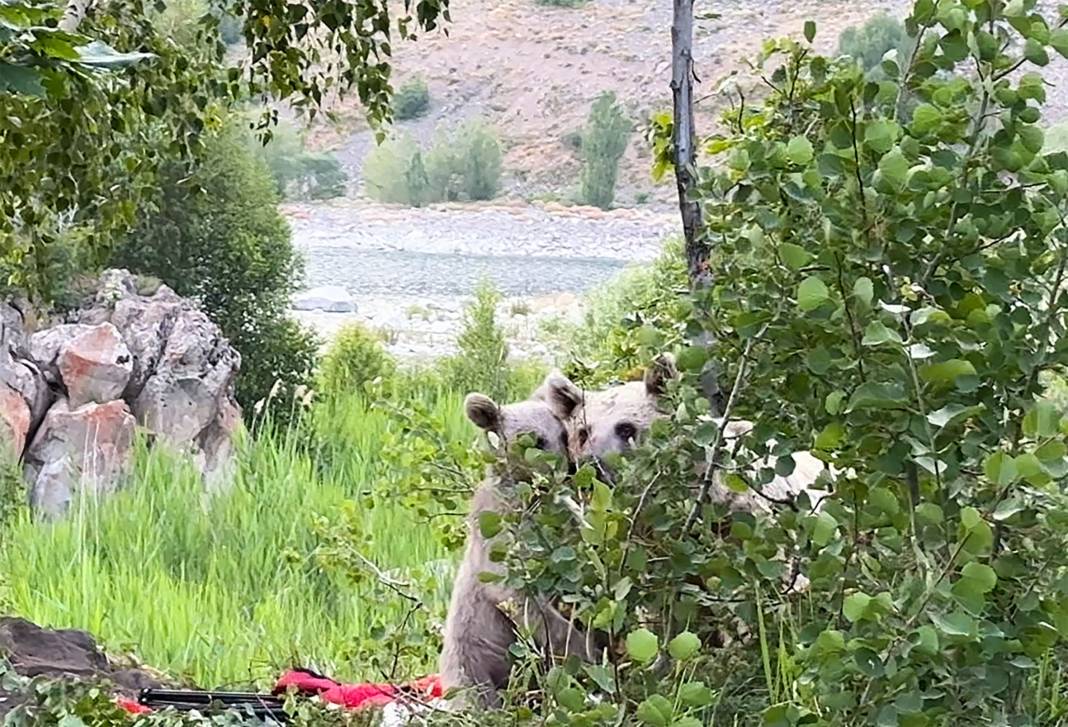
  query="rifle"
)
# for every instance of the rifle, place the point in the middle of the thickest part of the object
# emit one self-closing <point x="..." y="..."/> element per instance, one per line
<point x="266" y="707"/>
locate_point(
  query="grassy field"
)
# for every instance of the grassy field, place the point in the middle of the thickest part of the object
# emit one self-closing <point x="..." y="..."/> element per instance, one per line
<point x="229" y="589"/>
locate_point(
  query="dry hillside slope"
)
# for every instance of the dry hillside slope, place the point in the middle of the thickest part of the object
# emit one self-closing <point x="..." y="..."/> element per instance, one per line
<point x="533" y="70"/>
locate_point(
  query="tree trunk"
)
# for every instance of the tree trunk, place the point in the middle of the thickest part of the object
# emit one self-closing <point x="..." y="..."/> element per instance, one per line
<point x="685" y="138"/>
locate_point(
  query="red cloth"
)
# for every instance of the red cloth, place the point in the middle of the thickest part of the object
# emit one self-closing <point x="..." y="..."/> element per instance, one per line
<point x="350" y="696"/>
<point x="355" y="695"/>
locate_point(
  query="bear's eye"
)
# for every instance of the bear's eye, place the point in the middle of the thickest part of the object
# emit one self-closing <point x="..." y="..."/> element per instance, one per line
<point x="626" y="431"/>
<point x="540" y="443"/>
<point x="583" y="436"/>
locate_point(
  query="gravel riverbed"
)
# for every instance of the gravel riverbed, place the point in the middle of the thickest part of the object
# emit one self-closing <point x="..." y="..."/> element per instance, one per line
<point x="411" y="271"/>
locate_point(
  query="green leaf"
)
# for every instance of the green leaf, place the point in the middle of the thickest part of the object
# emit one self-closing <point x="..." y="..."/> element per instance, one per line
<point x="970" y="518"/>
<point x="655" y="711"/>
<point x="855" y="606"/>
<point x="825" y="528"/>
<point x="1043" y="420"/>
<point x="957" y="624"/>
<point x="952" y="414"/>
<point x="828" y="439"/>
<point x="642" y="645"/>
<point x="20" y="79"/>
<point x="799" y="150"/>
<point x="1000" y="469"/>
<point x="692" y="358"/>
<point x="810" y="30"/>
<point x="812" y="293"/>
<point x="1035" y="52"/>
<point x="947" y="372"/>
<point x="489" y="524"/>
<point x="696" y="694"/>
<point x="794" y="256"/>
<point x="927" y="640"/>
<point x="894" y="168"/>
<point x="877" y="334"/>
<point x="982" y="575"/>
<point x="880" y="135"/>
<point x="684" y="646"/>
<point x="876" y="396"/>
<point x="863" y="290"/>
<point x="833" y="402"/>
<point x="571" y="699"/>
<point x="1059" y="40"/>
<point x="926" y="119"/>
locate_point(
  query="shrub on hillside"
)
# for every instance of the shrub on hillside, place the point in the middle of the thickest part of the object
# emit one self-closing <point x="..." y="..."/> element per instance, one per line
<point x="411" y="100"/>
<point x="298" y="173"/>
<point x="603" y="142"/>
<point x="355" y="357"/>
<point x="462" y="165"/>
<point x="868" y="43"/>
<point x="386" y="170"/>
<point x="215" y="234"/>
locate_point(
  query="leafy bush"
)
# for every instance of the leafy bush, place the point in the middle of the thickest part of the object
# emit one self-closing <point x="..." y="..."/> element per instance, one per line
<point x="216" y="235"/>
<point x="386" y="170"/>
<point x="874" y="39"/>
<point x="481" y="361"/>
<point x="298" y="173"/>
<point x="603" y="142"/>
<point x="462" y="165"/>
<point x="888" y="295"/>
<point x="356" y="356"/>
<point x="411" y="100"/>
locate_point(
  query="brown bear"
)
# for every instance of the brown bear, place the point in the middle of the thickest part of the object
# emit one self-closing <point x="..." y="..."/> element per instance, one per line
<point x="478" y="632"/>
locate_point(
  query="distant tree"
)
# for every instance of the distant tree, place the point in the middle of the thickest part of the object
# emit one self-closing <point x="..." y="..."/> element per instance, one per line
<point x="603" y="143"/>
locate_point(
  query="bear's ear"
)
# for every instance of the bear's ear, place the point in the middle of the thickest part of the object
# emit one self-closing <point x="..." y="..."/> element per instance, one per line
<point x="483" y="411"/>
<point x="560" y="393"/>
<point x="662" y="370"/>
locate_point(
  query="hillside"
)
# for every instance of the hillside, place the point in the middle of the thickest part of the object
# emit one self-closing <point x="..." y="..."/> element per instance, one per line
<point x="533" y="70"/>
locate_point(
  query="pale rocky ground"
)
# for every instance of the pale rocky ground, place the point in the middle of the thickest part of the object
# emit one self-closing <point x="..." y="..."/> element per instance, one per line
<point x="411" y="272"/>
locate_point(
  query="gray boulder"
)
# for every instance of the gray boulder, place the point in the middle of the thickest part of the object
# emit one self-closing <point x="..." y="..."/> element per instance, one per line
<point x="85" y="449"/>
<point x="328" y="298"/>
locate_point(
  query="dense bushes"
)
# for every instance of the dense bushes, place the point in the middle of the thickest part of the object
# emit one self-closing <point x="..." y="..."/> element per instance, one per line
<point x="603" y="142"/>
<point x="411" y="100"/>
<point x="216" y="235"/>
<point x="462" y="165"/>
<point x="298" y="173"/>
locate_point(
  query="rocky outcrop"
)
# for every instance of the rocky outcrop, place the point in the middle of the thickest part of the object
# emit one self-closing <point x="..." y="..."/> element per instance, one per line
<point x="63" y="654"/>
<point x="72" y="394"/>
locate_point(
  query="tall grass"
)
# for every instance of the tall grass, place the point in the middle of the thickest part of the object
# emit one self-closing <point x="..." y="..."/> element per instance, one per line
<point x="224" y="589"/>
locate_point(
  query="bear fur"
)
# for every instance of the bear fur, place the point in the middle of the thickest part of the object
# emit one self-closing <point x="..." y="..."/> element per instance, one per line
<point x="478" y="632"/>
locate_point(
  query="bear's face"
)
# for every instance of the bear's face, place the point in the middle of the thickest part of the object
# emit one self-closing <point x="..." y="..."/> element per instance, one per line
<point x="534" y="418"/>
<point x="612" y="421"/>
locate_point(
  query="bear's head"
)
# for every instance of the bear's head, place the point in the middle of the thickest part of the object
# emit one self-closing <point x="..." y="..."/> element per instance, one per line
<point x="611" y="421"/>
<point x="509" y="422"/>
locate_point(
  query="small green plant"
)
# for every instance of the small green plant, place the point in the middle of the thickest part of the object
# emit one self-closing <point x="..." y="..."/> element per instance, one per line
<point x="481" y="361"/>
<point x="411" y="100"/>
<point x="603" y="142"/>
<point x="355" y="357"/>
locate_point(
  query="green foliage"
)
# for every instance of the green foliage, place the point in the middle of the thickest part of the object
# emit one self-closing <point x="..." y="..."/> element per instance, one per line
<point x="626" y="321"/>
<point x="217" y="236"/>
<point x="411" y="100"/>
<point x="462" y="165"/>
<point x="220" y="589"/>
<point x="481" y="361"/>
<point x="356" y="357"/>
<point x="298" y="173"/>
<point x="603" y="142"/>
<point x="874" y="39"/>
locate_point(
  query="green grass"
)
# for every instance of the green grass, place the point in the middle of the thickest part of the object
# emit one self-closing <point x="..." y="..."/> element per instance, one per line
<point x="226" y="589"/>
